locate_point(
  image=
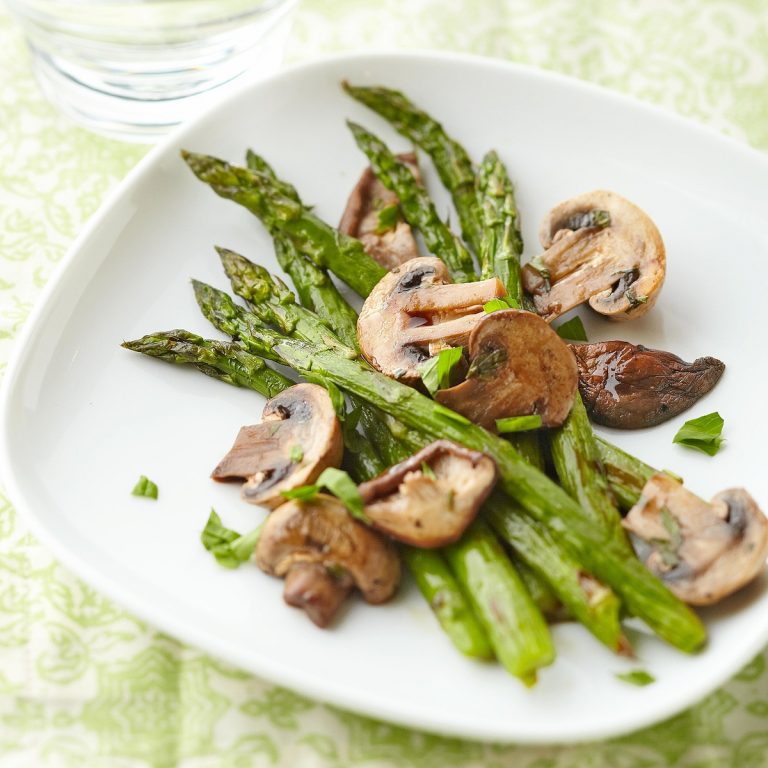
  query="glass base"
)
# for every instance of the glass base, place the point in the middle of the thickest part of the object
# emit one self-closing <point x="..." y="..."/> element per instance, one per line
<point x="141" y="102"/>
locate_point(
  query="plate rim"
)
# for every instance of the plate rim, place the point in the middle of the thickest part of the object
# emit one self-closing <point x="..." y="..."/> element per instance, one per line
<point x="218" y="645"/>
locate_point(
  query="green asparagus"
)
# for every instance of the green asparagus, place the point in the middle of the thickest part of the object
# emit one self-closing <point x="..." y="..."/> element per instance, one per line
<point x="418" y="210"/>
<point x="518" y="632"/>
<point x="450" y="158"/>
<point x="266" y="198"/>
<point x="273" y="302"/>
<point x="225" y="361"/>
<point x="577" y="463"/>
<point x="626" y="474"/>
<point x="502" y="243"/>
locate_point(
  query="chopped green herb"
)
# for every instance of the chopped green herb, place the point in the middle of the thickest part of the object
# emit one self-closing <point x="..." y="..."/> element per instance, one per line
<point x="486" y="364"/>
<point x="573" y="329"/>
<point x="340" y="484"/>
<point x="638" y="677"/>
<point x="702" y="434"/>
<point x="593" y="218"/>
<point x="228" y="547"/>
<point x="518" y="423"/>
<point x="302" y="493"/>
<point x="633" y="299"/>
<point x="436" y="372"/>
<point x="145" y="487"/>
<point x="297" y="454"/>
<point x="505" y="302"/>
<point x="539" y="266"/>
<point x="388" y="218"/>
<point x="427" y="471"/>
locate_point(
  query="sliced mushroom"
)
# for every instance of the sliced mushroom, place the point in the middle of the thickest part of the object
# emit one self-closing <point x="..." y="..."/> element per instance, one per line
<point x="429" y="499"/>
<point x="390" y="243"/>
<point x="519" y="366"/>
<point x="703" y="552"/>
<point x="298" y="437"/>
<point x="629" y="386"/>
<point x="416" y="306"/>
<point x="324" y="553"/>
<point x="602" y="249"/>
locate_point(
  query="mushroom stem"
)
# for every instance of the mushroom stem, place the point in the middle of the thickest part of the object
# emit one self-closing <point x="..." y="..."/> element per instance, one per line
<point x="318" y="592"/>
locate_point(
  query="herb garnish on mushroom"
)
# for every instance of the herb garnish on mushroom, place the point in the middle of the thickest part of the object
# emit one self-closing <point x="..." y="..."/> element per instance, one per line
<point x="518" y="366"/>
<point x="429" y="499"/>
<point x="702" y="551"/>
<point x="298" y="437"/>
<point x="600" y="248"/>
<point x="372" y="216"/>
<point x="414" y="311"/>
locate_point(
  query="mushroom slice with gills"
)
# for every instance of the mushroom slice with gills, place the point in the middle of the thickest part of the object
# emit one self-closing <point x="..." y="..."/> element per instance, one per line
<point x="324" y="554"/>
<point x="628" y="386"/>
<point x="391" y="243"/>
<point x="429" y="499"/>
<point x="602" y="249"/>
<point x="702" y="552"/>
<point x="518" y="366"/>
<point x="414" y="307"/>
<point x="299" y="436"/>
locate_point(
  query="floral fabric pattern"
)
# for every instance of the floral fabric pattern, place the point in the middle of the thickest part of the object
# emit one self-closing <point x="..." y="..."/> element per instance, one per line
<point x="84" y="684"/>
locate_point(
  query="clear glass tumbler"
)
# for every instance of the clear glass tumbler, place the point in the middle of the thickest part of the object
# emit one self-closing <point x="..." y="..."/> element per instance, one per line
<point x="136" y="68"/>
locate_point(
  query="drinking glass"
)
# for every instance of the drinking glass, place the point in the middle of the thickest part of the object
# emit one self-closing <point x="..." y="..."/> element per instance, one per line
<point x="136" y="68"/>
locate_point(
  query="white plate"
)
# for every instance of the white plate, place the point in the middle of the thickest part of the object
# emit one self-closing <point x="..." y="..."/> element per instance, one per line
<point x="84" y="418"/>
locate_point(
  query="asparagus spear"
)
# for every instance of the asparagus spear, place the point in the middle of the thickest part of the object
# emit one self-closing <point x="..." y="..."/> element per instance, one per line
<point x="282" y="213"/>
<point x="418" y="210"/>
<point x="500" y="249"/>
<point x="593" y="604"/>
<point x="450" y="158"/>
<point x="626" y="474"/>
<point x="517" y="629"/>
<point x="643" y="594"/>
<point x="225" y="361"/>
<point x="577" y="463"/>
<point x="442" y="591"/>
<point x="315" y="289"/>
<point x="502" y="244"/>
<point x="270" y="299"/>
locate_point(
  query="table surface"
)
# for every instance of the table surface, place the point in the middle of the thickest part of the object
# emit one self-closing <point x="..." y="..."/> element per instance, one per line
<point x="84" y="684"/>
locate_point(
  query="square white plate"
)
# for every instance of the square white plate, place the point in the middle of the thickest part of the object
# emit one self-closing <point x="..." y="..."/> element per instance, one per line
<point x="84" y="418"/>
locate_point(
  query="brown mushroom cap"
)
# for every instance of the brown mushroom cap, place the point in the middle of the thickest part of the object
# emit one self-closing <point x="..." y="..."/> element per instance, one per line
<point x="414" y="307"/>
<point x="433" y="508"/>
<point x="519" y="366"/>
<point x="320" y="532"/>
<point x="360" y="219"/>
<point x="619" y="268"/>
<point x="703" y="552"/>
<point x="629" y="386"/>
<point x="299" y="422"/>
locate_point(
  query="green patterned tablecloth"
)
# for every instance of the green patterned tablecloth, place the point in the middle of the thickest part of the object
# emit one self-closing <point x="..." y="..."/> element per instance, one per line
<point x="84" y="684"/>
